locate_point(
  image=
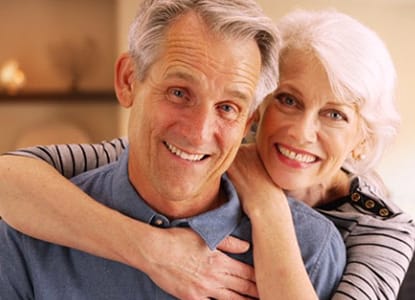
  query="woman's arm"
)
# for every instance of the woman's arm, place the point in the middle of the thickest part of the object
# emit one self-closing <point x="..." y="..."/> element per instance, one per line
<point x="36" y="200"/>
<point x="379" y="250"/>
<point x="279" y="268"/>
<point x="73" y="159"/>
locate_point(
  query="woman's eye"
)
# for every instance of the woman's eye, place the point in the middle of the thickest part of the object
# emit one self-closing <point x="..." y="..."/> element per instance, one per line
<point x="227" y="108"/>
<point x="286" y="99"/>
<point x="336" y="115"/>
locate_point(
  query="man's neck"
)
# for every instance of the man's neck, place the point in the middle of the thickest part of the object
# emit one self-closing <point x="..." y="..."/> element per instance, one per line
<point x="184" y="207"/>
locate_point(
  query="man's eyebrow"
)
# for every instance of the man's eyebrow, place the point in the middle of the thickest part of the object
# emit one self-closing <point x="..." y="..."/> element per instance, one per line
<point x="238" y="94"/>
<point x="181" y="75"/>
<point x="234" y="93"/>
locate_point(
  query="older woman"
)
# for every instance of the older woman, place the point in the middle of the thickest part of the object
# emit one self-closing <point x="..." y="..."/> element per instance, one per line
<point x="320" y="134"/>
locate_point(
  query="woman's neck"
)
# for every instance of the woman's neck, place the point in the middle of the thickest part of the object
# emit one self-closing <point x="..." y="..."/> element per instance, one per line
<point x="323" y="193"/>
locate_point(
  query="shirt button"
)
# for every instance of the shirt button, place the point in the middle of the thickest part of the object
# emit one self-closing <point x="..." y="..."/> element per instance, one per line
<point x="158" y="222"/>
<point x="370" y="204"/>
<point x="355" y="197"/>
<point x="384" y="212"/>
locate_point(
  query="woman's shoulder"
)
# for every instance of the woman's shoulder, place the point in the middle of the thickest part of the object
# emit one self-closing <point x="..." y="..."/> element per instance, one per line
<point x="379" y="237"/>
<point x="365" y="198"/>
<point x="364" y="210"/>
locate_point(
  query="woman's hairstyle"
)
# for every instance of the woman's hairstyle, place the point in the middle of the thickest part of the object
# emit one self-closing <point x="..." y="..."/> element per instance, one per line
<point x="360" y="71"/>
<point x="234" y="19"/>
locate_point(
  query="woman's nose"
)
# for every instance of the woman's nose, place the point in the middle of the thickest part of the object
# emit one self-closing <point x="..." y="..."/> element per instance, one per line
<point x="304" y="129"/>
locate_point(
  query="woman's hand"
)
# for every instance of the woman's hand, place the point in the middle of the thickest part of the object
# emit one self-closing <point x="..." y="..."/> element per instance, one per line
<point x="255" y="187"/>
<point x="183" y="265"/>
<point x="176" y="259"/>
<point x="279" y="269"/>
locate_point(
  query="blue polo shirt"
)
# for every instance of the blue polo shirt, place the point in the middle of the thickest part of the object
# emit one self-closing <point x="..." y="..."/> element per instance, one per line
<point x="33" y="269"/>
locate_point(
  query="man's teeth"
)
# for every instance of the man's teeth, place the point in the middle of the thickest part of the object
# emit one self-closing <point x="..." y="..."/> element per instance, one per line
<point x="304" y="158"/>
<point x="184" y="155"/>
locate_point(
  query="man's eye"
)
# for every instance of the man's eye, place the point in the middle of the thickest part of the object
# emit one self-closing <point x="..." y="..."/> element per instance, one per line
<point x="177" y="95"/>
<point x="228" y="111"/>
<point x="177" y="92"/>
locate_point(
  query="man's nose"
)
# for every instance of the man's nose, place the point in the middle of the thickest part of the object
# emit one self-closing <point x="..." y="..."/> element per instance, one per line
<point x="200" y="125"/>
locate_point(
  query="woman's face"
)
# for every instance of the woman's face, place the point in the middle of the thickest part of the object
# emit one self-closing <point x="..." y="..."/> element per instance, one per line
<point x="305" y="133"/>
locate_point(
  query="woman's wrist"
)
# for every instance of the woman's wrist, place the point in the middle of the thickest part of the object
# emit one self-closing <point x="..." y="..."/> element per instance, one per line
<point x="139" y="244"/>
<point x="266" y="204"/>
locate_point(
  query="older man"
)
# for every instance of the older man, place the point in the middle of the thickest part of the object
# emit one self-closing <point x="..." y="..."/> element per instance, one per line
<point x="194" y="74"/>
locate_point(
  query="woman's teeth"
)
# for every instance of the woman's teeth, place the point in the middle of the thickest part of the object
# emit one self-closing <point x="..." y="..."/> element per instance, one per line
<point x="303" y="158"/>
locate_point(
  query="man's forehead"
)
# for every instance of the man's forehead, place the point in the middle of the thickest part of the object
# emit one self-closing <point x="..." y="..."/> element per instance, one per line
<point x="194" y="53"/>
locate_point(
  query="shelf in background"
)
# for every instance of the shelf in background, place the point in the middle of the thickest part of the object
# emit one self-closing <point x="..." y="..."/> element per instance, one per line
<point x="60" y="96"/>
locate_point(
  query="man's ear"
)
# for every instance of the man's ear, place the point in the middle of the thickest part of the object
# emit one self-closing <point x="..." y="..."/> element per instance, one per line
<point x="124" y="80"/>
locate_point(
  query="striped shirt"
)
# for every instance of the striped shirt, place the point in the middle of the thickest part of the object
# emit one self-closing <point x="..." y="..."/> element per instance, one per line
<point x="379" y="236"/>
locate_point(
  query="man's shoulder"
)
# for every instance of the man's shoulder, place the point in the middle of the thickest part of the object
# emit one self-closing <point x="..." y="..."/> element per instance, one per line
<point x="99" y="174"/>
<point x="322" y="247"/>
<point x="107" y="183"/>
<point x="316" y="234"/>
<point x="305" y="214"/>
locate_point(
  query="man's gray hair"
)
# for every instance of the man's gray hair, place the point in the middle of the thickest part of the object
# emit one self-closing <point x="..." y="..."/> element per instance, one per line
<point x="238" y="19"/>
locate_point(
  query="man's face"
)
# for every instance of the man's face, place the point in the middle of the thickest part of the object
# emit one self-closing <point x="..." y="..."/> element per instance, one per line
<point x="189" y="116"/>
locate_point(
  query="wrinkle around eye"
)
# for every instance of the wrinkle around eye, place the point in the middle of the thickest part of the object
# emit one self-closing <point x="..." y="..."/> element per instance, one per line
<point x="177" y="95"/>
<point x="286" y="99"/>
<point x="229" y="111"/>
<point x="336" y="116"/>
<point x="287" y="102"/>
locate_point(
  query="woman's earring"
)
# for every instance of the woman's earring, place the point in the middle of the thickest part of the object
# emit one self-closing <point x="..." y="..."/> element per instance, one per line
<point x="358" y="156"/>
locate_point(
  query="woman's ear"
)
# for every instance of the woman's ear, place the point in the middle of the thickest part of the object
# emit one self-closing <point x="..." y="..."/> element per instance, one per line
<point x="124" y="80"/>
<point x="360" y="151"/>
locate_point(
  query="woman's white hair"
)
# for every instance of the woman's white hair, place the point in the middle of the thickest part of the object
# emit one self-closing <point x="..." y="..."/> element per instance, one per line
<point x="359" y="68"/>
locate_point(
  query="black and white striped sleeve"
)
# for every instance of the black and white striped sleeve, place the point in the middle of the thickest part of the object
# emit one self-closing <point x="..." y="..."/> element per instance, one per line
<point x="72" y="159"/>
<point x="379" y="250"/>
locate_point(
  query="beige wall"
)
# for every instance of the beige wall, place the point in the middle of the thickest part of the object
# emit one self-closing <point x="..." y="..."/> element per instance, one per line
<point x="126" y="10"/>
<point x="28" y="29"/>
<point x="394" y="20"/>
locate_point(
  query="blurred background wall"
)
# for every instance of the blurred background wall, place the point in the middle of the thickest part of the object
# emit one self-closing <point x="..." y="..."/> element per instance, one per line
<point x="42" y="35"/>
<point x="66" y="50"/>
